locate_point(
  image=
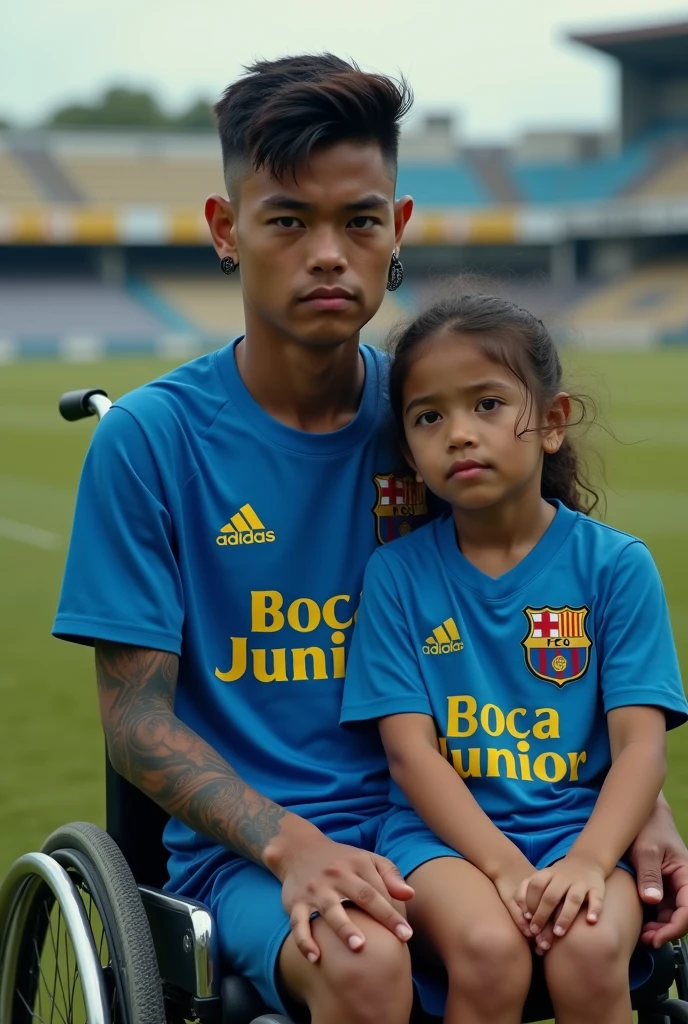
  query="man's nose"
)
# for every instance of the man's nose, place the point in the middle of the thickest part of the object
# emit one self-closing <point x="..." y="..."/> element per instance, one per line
<point x="327" y="252"/>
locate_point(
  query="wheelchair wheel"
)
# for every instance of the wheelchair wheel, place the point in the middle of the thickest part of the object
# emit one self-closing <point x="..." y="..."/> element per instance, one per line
<point x="118" y="922"/>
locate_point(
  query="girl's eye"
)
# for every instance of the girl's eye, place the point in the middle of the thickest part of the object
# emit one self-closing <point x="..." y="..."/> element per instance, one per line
<point x="287" y="222"/>
<point x="361" y="223"/>
<point x="489" y="404"/>
<point x="427" y="418"/>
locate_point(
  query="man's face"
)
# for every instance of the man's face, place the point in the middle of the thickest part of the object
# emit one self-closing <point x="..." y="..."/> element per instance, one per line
<point x="314" y="253"/>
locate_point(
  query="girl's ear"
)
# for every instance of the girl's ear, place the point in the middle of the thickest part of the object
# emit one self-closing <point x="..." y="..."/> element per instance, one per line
<point x="406" y="452"/>
<point x="555" y="423"/>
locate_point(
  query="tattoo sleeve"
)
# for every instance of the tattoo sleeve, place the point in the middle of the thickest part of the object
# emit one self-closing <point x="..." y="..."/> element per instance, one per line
<point x="155" y="751"/>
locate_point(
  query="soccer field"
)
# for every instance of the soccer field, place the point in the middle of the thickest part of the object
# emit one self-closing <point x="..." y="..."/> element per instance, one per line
<point x="51" y="751"/>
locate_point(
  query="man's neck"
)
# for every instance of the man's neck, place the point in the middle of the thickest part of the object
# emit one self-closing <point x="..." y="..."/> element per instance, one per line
<point x="311" y="388"/>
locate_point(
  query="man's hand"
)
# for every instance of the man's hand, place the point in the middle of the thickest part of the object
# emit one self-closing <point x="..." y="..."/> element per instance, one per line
<point x="660" y="859"/>
<point x="569" y="883"/>
<point x="323" y="876"/>
<point x="508" y="882"/>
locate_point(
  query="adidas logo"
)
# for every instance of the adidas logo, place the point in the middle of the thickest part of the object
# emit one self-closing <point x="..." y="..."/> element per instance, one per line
<point x="444" y="639"/>
<point x="244" y="527"/>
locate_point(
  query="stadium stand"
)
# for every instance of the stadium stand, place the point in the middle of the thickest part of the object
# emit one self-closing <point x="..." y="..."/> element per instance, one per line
<point x="650" y="302"/>
<point x="142" y="179"/>
<point x="16" y="187"/>
<point x="670" y="177"/>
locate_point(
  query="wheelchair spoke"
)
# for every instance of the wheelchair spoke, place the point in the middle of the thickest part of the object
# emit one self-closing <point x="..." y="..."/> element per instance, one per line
<point x="56" y="947"/>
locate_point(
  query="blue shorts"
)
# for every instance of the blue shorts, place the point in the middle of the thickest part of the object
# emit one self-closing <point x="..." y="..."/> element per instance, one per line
<point x="409" y="843"/>
<point x="246" y="903"/>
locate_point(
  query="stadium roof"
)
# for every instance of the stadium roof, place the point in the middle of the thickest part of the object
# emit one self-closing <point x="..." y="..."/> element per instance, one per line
<point x="655" y="49"/>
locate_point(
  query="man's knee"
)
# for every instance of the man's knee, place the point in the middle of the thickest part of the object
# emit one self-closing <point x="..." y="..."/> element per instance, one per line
<point x="371" y="984"/>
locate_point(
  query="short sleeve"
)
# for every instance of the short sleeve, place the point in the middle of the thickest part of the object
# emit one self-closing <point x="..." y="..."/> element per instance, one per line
<point x="382" y="676"/>
<point x="636" y="650"/>
<point x="121" y="580"/>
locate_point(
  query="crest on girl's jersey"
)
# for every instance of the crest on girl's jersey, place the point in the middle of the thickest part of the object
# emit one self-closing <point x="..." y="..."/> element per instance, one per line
<point x="557" y="645"/>
<point x="401" y="506"/>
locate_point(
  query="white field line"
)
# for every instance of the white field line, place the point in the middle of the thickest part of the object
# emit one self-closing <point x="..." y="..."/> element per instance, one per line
<point x="25" y="534"/>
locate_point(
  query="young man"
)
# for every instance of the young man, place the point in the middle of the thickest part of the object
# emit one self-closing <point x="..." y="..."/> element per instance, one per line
<point x="233" y="505"/>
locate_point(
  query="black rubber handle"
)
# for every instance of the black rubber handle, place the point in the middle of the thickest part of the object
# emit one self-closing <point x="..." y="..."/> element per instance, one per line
<point x="74" y="404"/>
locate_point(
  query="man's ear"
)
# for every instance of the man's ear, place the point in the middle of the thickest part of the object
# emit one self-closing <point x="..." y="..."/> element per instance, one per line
<point x="555" y="423"/>
<point x="403" y="208"/>
<point x="221" y="215"/>
<point x="406" y="452"/>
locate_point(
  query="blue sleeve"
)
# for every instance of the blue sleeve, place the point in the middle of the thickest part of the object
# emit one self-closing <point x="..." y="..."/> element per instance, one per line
<point x="636" y="650"/>
<point x="382" y="675"/>
<point x="121" y="580"/>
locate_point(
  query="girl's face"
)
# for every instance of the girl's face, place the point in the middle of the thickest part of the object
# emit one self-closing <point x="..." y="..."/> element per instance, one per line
<point x="463" y="414"/>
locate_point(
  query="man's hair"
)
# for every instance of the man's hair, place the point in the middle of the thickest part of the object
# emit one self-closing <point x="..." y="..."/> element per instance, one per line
<point x="278" y="111"/>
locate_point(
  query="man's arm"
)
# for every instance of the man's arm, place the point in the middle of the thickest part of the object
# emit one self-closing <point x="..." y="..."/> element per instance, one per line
<point x="660" y="859"/>
<point x="169" y="762"/>
<point x="176" y="768"/>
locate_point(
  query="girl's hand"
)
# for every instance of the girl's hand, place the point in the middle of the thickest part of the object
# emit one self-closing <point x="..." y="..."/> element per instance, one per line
<point x="508" y="883"/>
<point x="568" y="884"/>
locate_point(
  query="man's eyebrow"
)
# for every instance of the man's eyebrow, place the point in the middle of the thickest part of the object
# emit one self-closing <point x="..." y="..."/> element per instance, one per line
<point x="284" y="202"/>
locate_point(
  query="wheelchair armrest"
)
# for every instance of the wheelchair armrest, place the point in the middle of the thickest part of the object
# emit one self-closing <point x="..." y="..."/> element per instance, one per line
<point x="185" y="942"/>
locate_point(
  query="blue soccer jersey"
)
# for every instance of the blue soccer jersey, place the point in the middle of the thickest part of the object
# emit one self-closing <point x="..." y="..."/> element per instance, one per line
<point x="518" y="672"/>
<point x="208" y="529"/>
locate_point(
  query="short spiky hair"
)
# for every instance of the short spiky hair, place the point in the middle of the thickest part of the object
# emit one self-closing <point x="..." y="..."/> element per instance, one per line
<point x="275" y="114"/>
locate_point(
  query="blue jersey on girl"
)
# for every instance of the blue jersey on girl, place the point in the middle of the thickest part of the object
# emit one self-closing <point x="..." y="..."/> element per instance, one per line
<point x="518" y="672"/>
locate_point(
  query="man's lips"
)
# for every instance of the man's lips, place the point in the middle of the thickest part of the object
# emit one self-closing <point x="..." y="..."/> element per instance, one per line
<point x="466" y="469"/>
<point x="328" y="298"/>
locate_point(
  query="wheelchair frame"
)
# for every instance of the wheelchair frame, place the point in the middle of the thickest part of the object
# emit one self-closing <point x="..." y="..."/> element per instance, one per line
<point x="182" y="931"/>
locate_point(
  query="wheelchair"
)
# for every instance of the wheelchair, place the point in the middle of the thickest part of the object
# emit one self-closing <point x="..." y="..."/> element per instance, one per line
<point x="88" y="936"/>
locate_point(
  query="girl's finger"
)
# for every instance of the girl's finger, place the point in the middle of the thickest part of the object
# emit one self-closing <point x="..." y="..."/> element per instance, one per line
<point x="570" y="910"/>
<point x="549" y="901"/>
<point x="595" y="903"/>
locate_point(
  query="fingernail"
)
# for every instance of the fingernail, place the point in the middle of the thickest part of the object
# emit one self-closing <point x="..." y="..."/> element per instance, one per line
<point x="543" y="945"/>
<point x="592" y="918"/>
<point x="528" y="915"/>
<point x="653" y="893"/>
<point x="403" y="932"/>
<point x="312" y="957"/>
<point x="539" y="952"/>
<point x="355" y="942"/>
<point x="558" y="930"/>
<point x="534" y="929"/>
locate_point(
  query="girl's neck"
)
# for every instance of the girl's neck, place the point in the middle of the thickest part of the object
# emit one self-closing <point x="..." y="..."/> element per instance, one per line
<point x="309" y="387"/>
<point x="496" y="539"/>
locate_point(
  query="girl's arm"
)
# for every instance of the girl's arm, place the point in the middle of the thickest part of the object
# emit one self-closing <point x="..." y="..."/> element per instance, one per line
<point x="441" y="798"/>
<point x="637" y="737"/>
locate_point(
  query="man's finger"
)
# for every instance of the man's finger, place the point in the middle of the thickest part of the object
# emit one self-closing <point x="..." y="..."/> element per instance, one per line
<point x="648" y="865"/>
<point x="396" y="885"/>
<point x="333" y="914"/>
<point x="669" y="930"/>
<point x="367" y="897"/>
<point x="300" y="920"/>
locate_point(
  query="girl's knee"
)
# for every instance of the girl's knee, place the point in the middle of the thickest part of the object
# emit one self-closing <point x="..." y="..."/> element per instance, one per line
<point x="492" y="962"/>
<point x="589" y="963"/>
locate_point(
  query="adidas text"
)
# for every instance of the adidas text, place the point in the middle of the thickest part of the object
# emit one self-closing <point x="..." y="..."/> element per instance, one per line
<point x="455" y="645"/>
<point x="252" y="537"/>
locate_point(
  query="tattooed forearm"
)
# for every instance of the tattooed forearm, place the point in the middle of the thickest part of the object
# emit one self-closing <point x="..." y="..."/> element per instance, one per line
<point x="155" y="751"/>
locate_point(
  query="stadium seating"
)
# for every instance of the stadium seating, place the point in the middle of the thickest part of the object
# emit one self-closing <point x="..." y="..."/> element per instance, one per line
<point x="670" y="180"/>
<point x="144" y="179"/>
<point x="437" y="186"/>
<point x="651" y="302"/>
<point x="16" y="187"/>
<point x="593" y="179"/>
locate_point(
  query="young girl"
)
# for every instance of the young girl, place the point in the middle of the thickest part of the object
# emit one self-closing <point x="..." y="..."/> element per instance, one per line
<point x="518" y="658"/>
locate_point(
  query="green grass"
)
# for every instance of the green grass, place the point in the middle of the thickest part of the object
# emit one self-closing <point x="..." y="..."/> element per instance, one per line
<point x="51" y="748"/>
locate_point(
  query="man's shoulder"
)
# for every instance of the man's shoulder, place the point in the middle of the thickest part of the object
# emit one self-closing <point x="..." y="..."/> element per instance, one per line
<point x="189" y="397"/>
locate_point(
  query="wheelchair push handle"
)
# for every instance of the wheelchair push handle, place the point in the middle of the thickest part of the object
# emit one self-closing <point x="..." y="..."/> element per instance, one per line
<point x="77" y="405"/>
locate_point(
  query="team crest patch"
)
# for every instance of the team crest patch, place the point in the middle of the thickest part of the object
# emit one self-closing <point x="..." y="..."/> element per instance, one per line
<point x="557" y="645"/>
<point x="401" y="506"/>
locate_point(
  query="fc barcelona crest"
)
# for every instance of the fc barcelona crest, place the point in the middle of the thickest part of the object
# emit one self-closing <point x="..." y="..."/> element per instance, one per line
<point x="557" y="646"/>
<point x="401" y="506"/>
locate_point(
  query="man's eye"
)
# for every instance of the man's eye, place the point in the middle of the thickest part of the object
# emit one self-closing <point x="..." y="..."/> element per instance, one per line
<point x="427" y="418"/>
<point x="361" y="223"/>
<point x="489" y="404"/>
<point x="287" y="222"/>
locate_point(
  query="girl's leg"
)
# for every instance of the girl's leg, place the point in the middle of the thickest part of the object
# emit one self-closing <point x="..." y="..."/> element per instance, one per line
<point x="458" y="911"/>
<point x="587" y="969"/>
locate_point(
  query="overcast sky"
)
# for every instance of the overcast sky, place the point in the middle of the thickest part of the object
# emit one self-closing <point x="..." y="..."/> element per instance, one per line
<point x="500" y="65"/>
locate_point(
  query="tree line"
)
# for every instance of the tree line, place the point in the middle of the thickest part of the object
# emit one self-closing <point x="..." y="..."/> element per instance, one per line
<point x="121" y="107"/>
